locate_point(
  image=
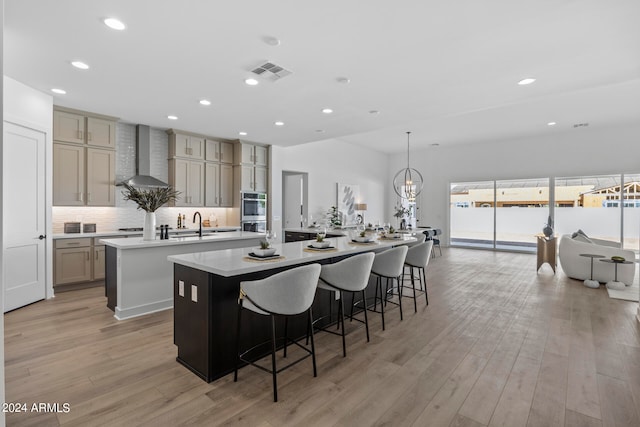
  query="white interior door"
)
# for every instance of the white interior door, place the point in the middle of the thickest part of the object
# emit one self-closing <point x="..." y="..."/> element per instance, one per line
<point x="24" y="216"/>
<point x="292" y="196"/>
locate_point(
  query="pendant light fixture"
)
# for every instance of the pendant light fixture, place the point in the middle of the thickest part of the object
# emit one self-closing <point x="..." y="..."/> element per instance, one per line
<point x="408" y="182"/>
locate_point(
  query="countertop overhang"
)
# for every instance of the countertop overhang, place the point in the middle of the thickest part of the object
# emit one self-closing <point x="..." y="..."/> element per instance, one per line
<point x="138" y="243"/>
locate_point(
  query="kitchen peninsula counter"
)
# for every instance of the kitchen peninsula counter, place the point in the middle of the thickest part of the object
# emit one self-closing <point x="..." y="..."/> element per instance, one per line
<point x="139" y="278"/>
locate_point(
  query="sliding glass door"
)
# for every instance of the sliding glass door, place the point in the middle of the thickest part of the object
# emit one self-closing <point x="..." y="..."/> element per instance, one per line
<point x="472" y="214"/>
<point x="522" y="209"/>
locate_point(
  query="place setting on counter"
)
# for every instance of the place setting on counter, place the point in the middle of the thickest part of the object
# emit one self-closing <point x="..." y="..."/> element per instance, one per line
<point x="266" y="252"/>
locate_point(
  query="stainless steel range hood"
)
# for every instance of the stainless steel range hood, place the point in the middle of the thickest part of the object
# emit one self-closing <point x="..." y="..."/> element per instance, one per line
<point x="143" y="178"/>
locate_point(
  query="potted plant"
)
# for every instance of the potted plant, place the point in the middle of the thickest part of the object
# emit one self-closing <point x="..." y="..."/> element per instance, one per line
<point x="335" y="218"/>
<point x="149" y="200"/>
<point x="264" y="249"/>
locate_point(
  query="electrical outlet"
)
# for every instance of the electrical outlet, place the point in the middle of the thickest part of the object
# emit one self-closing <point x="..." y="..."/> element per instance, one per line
<point x="180" y="288"/>
<point x="194" y="293"/>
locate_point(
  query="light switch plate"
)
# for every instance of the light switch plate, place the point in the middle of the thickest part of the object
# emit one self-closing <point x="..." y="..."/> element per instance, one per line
<point x="180" y="288"/>
<point x="194" y="293"/>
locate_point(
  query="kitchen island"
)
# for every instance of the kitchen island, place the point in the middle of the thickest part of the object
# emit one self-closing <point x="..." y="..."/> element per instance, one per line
<point x="138" y="277"/>
<point x="206" y="288"/>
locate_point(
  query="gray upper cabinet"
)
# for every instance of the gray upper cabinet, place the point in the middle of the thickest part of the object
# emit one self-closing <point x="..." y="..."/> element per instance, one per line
<point x="83" y="159"/>
<point x="218" y="151"/>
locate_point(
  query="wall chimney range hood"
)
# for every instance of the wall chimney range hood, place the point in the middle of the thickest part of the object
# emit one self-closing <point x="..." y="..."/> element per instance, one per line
<point x="143" y="178"/>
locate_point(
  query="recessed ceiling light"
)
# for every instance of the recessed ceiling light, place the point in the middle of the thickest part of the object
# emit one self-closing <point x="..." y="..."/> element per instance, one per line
<point x="327" y="110"/>
<point x="80" y="64"/>
<point x="271" y="41"/>
<point x="114" y="24"/>
<point x="242" y="133"/>
<point x="551" y="124"/>
<point x="279" y="123"/>
<point x="526" y="81"/>
<point x="172" y="117"/>
<point x="374" y="112"/>
<point x="59" y="91"/>
<point x="205" y="102"/>
<point x="251" y="82"/>
<point x="343" y="80"/>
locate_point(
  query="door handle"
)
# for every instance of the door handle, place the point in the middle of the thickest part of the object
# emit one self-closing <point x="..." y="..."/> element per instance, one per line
<point x="42" y="236"/>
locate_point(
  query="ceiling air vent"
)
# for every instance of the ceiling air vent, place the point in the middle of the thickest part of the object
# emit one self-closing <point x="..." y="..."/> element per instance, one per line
<point x="581" y="125"/>
<point x="271" y="71"/>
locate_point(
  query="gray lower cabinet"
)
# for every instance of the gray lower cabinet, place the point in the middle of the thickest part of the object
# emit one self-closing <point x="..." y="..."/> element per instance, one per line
<point x="79" y="260"/>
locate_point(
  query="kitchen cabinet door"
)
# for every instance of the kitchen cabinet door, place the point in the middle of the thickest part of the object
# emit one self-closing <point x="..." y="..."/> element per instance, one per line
<point x="226" y="185"/>
<point x="68" y="175"/>
<point x="247" y="177"/>
<point x="196" y="183"/>
<point x="73" y="265"/>
<point x="98" y="262"/>
<point x="212" y="184"/>
<point x="212" y="150"/>
<point x="260" y="179"/>
<point x="101" y="176"/>
<point x="101" y="133"/>
<point x="226" y="153"/>
<point x="68" y="127"/>
<point x="179" y="180"/>
<point x="260" y="155"/>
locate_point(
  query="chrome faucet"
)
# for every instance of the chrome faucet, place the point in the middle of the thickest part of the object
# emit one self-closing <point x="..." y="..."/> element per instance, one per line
<point x="199" y="223"/>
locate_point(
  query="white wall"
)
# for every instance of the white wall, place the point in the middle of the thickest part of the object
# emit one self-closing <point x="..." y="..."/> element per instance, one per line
<point x="581" y="151"/>
<point x="328" y="163"/>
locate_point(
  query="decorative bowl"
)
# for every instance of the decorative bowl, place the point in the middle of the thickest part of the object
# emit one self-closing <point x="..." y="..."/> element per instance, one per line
<point x="364" y="239"/>
<point x="320" y="245"/>
<point x="264" y="252"/>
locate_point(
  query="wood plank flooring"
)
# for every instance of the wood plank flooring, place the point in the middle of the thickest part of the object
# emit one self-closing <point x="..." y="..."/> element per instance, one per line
<point x="499" y="345"/>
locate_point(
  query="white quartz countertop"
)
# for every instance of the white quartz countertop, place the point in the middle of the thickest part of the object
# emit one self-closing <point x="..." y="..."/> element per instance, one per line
<point x="133" y="233"/>
<point x="138" y="243"/>
<point x="231" y="262"/>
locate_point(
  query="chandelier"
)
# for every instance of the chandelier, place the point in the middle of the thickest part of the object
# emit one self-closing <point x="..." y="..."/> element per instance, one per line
<point x="408" y="182"/>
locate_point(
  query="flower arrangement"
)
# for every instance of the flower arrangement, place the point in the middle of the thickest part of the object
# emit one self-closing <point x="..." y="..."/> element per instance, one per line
<point x="149" y="200"/>
<point x="401" y="211"/>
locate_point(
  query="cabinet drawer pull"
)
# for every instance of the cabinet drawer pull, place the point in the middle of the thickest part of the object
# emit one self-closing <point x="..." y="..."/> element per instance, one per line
<point x="72" y="243"/>
<point x="88" y="256"/>
<point x="96" y="255"/>
<point x="81" y="197"/>
<point x="88" y="197"/>
<point x="88" y="136"/>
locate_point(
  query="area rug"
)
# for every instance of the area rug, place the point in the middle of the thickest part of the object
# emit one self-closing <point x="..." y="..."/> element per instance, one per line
<point x="631" y="293"/>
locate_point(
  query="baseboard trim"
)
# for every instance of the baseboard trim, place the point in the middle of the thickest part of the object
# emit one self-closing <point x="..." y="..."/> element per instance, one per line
<point x="142" y="310"/>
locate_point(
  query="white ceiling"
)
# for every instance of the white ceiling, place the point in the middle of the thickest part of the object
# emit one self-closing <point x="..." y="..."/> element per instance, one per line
<point x="447" y="71"/>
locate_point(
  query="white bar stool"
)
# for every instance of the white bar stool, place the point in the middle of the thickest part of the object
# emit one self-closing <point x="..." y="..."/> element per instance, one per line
<point x="349" y="275"/>
<point x="388" y="264"/>
<point x="418" y="257"/>
<point x="287" y="293"/>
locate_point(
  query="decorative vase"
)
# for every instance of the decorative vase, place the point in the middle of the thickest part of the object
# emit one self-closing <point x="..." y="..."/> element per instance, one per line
<point x="149" y="230"/>
<point x="548" y="229"/>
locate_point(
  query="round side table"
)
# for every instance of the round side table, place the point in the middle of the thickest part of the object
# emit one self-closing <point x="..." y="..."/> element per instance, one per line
<point x="590" y="283"/>
<point x="615" y="284"/>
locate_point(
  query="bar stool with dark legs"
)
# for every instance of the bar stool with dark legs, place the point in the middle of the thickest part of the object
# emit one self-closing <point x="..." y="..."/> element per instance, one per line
<point x="388" y="265"/>
<point x="288" y="293"/>
<point x="418" y="258"/>
<point x="349" y="275"/>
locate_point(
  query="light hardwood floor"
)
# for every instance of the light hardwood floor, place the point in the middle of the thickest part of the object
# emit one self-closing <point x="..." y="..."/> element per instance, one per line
<point x="499" y="345"/>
